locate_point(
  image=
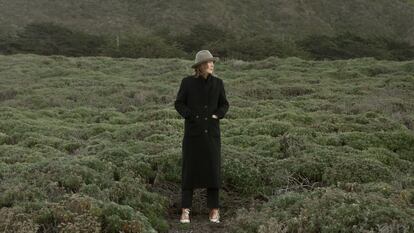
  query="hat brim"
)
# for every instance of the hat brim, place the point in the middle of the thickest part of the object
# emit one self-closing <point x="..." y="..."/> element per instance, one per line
<point x="208" y="59"/>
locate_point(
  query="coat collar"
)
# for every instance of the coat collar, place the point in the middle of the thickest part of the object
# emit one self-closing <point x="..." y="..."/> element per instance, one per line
<point x="209" y="77"/>
<point x="204" y="84"/>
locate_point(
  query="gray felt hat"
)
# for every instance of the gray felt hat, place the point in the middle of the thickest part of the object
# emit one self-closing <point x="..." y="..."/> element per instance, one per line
<point x="203" y="56"/>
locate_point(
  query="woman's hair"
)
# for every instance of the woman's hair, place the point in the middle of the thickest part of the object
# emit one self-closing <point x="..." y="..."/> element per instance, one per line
<point x="198" y="70"/>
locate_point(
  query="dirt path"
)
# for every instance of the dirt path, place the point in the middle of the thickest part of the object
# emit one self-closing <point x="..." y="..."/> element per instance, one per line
<point x="200" y="223"/>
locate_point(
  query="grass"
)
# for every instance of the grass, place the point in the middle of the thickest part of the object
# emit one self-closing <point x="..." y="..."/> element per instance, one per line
<point x="93" y="144"/>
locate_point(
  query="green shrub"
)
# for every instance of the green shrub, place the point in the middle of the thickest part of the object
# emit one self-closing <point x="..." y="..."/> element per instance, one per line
<point x="151" y="46"/>
<point x="400" y="142"/>
<point x="304" y="168"/>
<point x="360" y="140"/>
<point x="346" y="45"/>
<point x="290" y="91"/>
<point x="241" y="175"/>
<point x="291" y="145"/>
<point x="201" y="34"/>
<point x="272" y="128"/>
<point x="355" y="169"/>
<point x="324" y="210"/>
<point x="14" y="220"/>
<point x="49" y="38"/>
<point x="258" y="47"/>
<point x="389" y="158"/>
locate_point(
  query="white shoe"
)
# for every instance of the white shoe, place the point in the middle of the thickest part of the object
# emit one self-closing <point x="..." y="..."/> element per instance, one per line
<point x="185" y="215"/>
<point x="215" y="217"/>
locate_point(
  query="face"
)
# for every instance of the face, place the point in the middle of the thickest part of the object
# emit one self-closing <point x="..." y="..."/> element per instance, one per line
<point x="209" y="67"/>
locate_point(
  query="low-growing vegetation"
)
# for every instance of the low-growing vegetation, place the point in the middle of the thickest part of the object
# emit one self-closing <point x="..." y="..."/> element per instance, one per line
<point x="93" y="144"/>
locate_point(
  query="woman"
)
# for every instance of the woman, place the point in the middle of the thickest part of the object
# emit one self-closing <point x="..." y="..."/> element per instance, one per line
<point x="201" y="101"/>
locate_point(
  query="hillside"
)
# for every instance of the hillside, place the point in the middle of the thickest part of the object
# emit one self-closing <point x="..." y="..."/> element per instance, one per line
<point x="94" y="143"/>
<point x="281" y="18"/>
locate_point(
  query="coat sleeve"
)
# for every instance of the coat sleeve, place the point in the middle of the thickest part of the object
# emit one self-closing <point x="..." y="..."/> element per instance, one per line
<point x="222" y="102"/>
<point x="180" y="102"/>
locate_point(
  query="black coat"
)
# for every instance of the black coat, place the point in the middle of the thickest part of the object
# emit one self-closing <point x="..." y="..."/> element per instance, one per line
<point x="197" y="100"/>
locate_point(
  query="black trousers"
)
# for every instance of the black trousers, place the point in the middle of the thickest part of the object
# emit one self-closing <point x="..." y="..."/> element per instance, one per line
<point x="212" y="198"/>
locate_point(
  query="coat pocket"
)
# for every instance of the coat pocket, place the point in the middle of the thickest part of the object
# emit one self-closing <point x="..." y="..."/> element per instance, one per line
<point x="215" y="127"/>
<point x="193" y="126"/>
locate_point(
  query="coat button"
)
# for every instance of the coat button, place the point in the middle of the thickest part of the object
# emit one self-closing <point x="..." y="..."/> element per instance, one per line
<point x="196" y="116"/>
<point x="205" y="131"/>
<point x="205" y="106"/>
<point x="205" y="118"/>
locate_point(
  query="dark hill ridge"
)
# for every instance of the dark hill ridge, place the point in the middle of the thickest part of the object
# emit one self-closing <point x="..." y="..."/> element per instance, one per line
<point x="287" y="18"/>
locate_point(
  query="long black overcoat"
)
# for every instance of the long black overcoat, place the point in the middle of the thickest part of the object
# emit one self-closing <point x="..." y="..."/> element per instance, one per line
<point x="197" y="100"/>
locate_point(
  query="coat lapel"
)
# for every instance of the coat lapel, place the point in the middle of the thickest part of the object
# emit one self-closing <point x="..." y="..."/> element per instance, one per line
<point x="205" y="86"/>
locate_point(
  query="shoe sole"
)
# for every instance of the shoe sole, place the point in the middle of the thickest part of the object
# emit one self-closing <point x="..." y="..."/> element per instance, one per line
<point x="215" y="220"/>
